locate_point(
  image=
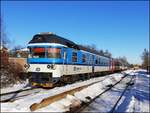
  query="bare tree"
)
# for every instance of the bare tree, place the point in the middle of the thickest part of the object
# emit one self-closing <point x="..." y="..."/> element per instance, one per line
<point x="101" y="52"/>
<point x="107" y="53"/>
<point x="4" y="39"/>
<point x="9" y="73"/>
<point x="145" y="58"/>
<point x="16" y="50"/>
<point x="123" y="60"/>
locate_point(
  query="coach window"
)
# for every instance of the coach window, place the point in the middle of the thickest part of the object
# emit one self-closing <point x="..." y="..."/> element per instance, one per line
<point x="91" y="59"/>
<point x="83" y="58"/>
<point x="99" y="61"/>
<point x="96" y="61"/>
<point x="74" y="57"/>
<point x="105" y="63"/>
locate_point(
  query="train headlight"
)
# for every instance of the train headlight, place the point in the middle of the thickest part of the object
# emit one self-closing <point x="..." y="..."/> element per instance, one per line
<point x="48" y="66"/>
<point x="52" y="66"/>
<point x="26" y="66"/>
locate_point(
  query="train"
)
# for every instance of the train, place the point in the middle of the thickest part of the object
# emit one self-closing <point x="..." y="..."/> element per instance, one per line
<point x="53" y="59"/>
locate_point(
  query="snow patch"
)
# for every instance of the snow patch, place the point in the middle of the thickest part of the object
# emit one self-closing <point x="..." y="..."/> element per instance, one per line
<point x="138" y="103"/>
<point x="16" y="87"/>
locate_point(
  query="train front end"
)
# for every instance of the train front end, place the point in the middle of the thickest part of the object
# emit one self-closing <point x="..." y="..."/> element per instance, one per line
<point x="44" y="64"/>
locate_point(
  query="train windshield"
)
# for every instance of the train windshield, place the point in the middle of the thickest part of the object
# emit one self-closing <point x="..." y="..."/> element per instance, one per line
<point x="40" y="52"/>
<point x="54" y="53"/>
<point x="37" y="52"/>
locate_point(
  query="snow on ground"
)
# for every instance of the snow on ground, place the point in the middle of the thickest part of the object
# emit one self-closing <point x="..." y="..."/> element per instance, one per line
<point x="106" y="101"/>
<point x="139" y="95"/>
<point x="15" y="87"/>
<point x="25" y="103"/>
<point x="135" y="99"/>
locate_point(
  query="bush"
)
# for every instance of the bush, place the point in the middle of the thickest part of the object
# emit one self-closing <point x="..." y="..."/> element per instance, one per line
<point x="10" y="74"/>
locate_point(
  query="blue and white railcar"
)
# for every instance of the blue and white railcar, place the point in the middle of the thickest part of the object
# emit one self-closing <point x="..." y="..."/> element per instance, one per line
<point x="53" y="58"/>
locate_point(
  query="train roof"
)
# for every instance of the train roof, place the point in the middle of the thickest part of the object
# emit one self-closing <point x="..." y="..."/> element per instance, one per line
<point x="90" y="50"/>
<point x="52" y="38"/>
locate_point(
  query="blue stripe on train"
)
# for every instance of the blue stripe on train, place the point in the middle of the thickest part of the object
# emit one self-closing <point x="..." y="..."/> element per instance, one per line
<point x="44" y="60"/>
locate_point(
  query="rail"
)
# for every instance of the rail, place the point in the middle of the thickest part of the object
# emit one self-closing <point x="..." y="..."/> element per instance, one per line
<point x="11" y="96"/>
<point x="45" y="102"/>
<point x="128" y="84"/>
<point x="86" y="104"/>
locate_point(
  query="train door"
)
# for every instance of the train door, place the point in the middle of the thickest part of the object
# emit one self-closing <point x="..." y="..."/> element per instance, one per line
<point x="65" y="61"/>
<point x="93" y="65"/>
<point x="110" y="61"/>
<point x="113" y="65"/>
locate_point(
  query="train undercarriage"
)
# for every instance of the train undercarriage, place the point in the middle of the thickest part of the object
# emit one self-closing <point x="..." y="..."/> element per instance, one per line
<point x="46" y="80"/>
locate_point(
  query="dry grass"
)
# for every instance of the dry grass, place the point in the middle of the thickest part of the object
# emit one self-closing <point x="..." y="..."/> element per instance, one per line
<point x="11" y="74"/>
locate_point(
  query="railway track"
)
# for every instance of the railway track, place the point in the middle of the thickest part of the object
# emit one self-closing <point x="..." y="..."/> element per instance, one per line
<point x="87" y="105"/>
<point x="46" y="101"/>
<point x="118" y="100"/>
<point x="14" y="95"/>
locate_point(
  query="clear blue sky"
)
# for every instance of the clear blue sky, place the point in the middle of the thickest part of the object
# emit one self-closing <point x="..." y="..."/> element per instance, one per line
<point x="121" y="27"/>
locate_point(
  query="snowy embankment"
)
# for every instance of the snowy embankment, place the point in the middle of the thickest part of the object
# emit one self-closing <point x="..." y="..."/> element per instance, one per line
<point x="16" y="87"/>
<point x="25" y="103"/>
<point x="138" y="98"/>
<point x="128" y="103"/>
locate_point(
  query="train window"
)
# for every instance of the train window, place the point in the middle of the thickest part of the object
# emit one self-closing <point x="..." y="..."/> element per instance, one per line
<point x="74" y="57"/>
<point x="91" y="59"/>
<point x="38" y="52"/>
<point x="87" y="58"/>
<point x="108" y="63"/>
<point x="105" y="63"/>
<point x="102" y="62"/>
<point x="54" y="53"/>
<point x="96" y="61"/>
<point x="99" y="61"/>
<point x="83" y="58"/>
